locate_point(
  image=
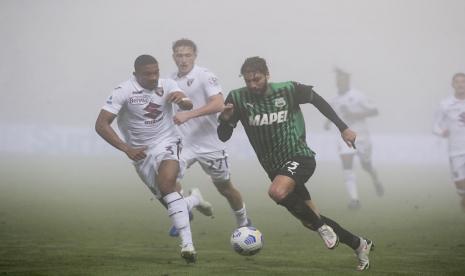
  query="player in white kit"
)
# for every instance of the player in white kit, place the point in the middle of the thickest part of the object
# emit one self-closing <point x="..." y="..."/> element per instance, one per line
<point x="353" y="107"/>
<point x="198" y="126"/>
<point x="143" y="106"/>
<point x="450" y="124"/>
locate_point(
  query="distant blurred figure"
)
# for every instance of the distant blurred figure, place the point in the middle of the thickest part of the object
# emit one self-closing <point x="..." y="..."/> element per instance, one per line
<point x="450" y="124"/>
<point x="353" y="107"/>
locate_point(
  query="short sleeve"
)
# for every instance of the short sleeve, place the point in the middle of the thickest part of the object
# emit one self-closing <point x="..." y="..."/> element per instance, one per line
<point x="211" y="84"/>
<point x="115" y="101"/>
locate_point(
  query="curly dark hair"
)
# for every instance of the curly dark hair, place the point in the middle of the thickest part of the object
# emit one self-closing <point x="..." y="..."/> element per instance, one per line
<point x="254" y="64"/>
<point x="143" y="60"/>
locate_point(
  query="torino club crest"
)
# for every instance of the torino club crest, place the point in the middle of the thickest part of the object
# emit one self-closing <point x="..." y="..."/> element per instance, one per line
<point x="152" y="110"/>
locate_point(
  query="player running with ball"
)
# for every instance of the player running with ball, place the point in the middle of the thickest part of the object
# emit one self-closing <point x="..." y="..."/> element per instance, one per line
<point x="274" y="124"/>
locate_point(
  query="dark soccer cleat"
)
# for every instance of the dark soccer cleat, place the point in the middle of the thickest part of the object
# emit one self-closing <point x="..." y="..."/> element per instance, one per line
<point x="354" y="204"/>
<point x="188" y="253"/>
<point x="379" y="188"/>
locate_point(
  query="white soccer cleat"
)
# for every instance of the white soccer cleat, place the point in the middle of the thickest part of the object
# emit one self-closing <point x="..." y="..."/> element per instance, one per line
<point x="204" y="206"/>
<point x="329" y="236"/>
<point x="362" y="254"/>
<point x="188" y="253"/>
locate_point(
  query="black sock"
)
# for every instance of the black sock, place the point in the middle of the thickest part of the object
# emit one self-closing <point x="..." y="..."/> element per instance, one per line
<point x="297" y="207"/>
<point x="344" y="236"/>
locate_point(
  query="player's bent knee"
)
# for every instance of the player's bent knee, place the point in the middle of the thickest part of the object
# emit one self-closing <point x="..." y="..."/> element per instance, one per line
<point x="278" y="195"/>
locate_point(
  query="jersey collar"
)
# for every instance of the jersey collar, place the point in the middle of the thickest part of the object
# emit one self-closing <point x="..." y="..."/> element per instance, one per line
<point x="139" y="88"/>
<point x="188" y="75"/>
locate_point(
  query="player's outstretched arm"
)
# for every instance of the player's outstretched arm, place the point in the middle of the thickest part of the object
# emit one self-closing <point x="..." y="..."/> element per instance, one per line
<point x="348" y="135"/>
<point x="323" y="106"/>
<point x="369" y="112"/>
<point x="181" y="100"/>
<point x="214" y="105"/>
<point x="225" y="128"/>
<point x="104" y="129"/>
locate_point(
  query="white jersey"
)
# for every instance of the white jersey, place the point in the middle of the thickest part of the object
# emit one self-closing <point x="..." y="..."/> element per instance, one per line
<point x="199" y="134"/>
<point x="353" y="101"/>
<point x="451" y="117"/>
<point x="145" y="117"/>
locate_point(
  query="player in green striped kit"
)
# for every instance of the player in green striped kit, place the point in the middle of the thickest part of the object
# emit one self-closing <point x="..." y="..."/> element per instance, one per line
<point x="274" y="124"/>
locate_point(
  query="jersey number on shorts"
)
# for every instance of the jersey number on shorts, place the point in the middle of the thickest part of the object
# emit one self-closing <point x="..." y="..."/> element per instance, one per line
<point x="291" y="166"/>
<point x="219" y="162"/>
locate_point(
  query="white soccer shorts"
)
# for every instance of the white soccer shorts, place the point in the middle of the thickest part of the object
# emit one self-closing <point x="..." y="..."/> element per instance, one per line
<point x="457" y="167"/>
<point x="147" y="168"/>
<point x="215" y="164"/>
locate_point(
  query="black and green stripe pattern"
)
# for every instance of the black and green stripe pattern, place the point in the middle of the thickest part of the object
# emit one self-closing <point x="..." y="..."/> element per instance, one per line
<point x="273" y="122"/>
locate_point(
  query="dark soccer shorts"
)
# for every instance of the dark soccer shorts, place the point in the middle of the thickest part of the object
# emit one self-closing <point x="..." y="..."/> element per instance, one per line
<point x="300" y="169"/>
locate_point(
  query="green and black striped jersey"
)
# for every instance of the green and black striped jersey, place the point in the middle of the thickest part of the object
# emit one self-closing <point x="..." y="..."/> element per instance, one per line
<point x="273" y="122"/>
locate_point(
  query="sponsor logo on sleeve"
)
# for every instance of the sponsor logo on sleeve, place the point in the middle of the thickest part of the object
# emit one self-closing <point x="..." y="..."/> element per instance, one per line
<point x="110" y="100"/>
<point x="213" y="81"/>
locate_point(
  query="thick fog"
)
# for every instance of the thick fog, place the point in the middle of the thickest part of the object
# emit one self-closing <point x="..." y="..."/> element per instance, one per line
<point x="61" y="59"/>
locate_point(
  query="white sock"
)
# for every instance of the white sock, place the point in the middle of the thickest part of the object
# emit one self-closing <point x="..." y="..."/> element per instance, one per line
<point x="362" y="244"/>
<point x="351" y="184"/>
<point x="179" y="214"/>
<point x="241" y="216"/>
<point x="191" y="201"/>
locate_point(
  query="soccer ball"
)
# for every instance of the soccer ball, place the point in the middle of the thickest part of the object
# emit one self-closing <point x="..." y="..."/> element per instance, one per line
<point x="247" y="241"/>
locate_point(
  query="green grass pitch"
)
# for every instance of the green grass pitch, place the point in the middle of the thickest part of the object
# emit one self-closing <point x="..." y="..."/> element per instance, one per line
<point x="93" y="216"/>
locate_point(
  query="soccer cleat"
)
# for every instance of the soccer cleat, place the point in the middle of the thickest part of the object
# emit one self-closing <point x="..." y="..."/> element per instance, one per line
<point x="188" y="253"/>
<point x="379" y="188"/>
<point x="173" y="232"/>
<point x="362" y="254"/>
<point x="329" y="236"/>
<point x="249" y="222"/>
<point x="204" y="206"/>
<point x="354" y="204"/>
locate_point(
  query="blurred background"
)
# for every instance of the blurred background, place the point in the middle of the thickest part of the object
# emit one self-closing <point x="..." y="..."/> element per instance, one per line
<point x="61" y="59"/>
